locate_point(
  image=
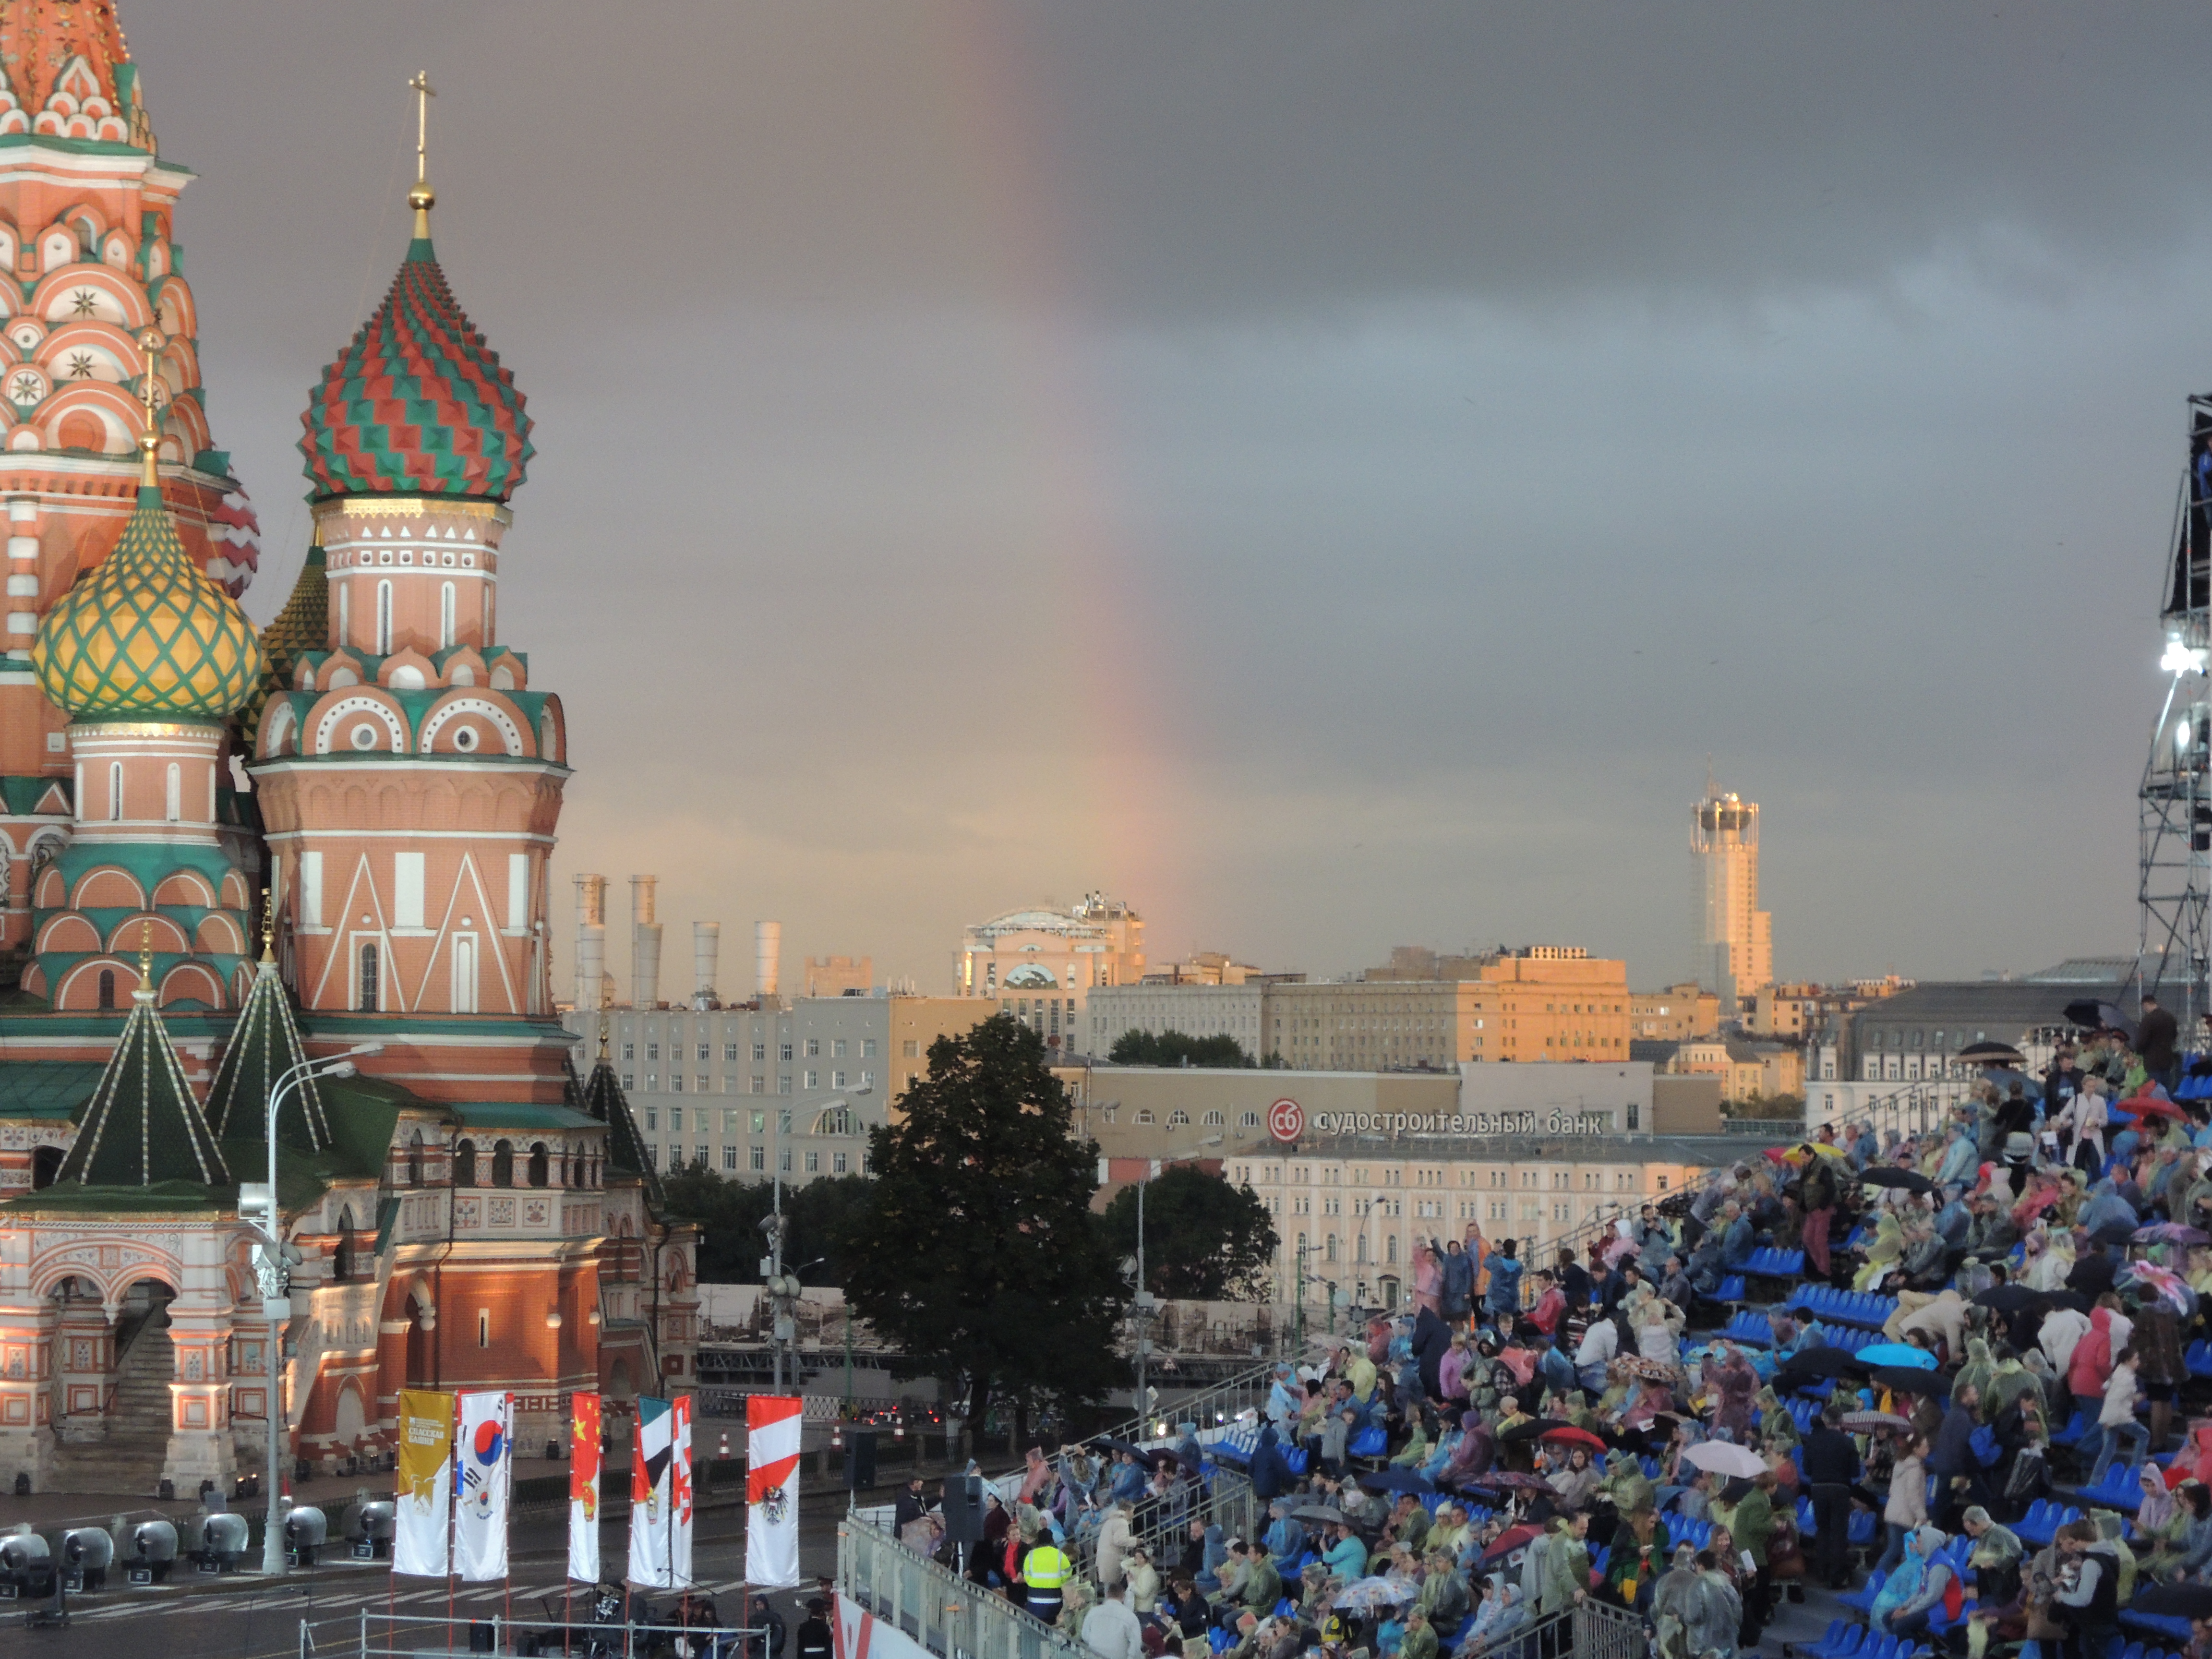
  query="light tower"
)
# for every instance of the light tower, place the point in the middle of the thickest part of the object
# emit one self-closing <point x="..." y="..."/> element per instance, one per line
<point x="2175" y="815"/>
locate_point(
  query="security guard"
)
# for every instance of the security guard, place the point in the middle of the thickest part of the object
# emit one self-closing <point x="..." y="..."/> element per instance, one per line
<point x="1045" y="1572"/>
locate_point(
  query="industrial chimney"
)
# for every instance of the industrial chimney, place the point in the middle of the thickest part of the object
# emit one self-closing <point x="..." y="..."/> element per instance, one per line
<point x="591" y="967"/>
<point x="768" y="952"/>
<point x="591" y="920"/>
<point x="645" y="944"/>
<point x="706" y="955"/>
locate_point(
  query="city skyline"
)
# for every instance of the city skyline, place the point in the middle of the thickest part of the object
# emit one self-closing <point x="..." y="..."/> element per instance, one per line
<point x="1036" y="475"/>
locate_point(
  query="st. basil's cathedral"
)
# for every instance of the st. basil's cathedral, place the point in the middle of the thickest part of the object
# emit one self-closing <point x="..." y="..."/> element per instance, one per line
<point x="229" y="853"/>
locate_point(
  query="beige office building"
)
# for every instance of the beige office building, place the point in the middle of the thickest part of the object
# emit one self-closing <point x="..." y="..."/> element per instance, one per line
<point x="1042" y="964"/>
<point x="1540" y="1003"/>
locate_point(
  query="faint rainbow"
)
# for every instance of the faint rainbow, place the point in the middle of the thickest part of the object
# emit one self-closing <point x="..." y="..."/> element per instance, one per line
<point x="1127" y="762"/>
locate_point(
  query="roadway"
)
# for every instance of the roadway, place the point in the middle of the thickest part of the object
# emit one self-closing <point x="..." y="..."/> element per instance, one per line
<point x="243" y="1616"/>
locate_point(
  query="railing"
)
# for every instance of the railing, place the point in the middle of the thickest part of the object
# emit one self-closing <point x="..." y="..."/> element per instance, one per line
<point x="1594" y="1630"/>
<point x="1211" y="1408"/>
<point x="951" y="1616"/>
<point x="404" y="1636"/>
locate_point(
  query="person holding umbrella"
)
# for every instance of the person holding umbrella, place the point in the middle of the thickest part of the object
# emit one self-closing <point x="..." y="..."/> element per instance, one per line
<point x="1829" y="1459"/>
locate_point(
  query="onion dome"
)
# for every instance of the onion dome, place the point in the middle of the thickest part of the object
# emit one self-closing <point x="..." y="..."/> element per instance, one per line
<point x="142" y="1127"/>
<point x="418" y="403"/>
<point x="264" y="1044"/>
<point x="146" y="635"/>
<point x="304" y="624"/>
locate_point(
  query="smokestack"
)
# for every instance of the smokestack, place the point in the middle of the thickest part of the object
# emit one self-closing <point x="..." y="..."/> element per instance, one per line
<point x="644" y="943"/>
<point x="591" y="967"/>
<point x="591" y="917"/>
<point x="706" y="955"/>
<point x="768" y="952"/>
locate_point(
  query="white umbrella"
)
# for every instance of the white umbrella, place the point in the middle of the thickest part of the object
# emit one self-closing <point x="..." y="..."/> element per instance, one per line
<point x="1719" y="1457"/>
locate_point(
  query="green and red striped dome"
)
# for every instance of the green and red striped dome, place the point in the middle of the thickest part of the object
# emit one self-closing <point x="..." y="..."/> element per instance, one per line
<point x="417" y="403"/>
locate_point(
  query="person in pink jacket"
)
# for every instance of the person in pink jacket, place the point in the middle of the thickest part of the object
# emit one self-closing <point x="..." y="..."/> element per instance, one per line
<point x="2090" y="1366"/>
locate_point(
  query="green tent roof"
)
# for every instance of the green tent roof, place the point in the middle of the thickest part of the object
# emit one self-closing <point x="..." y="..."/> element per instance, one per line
<point x="263" y="1046"/>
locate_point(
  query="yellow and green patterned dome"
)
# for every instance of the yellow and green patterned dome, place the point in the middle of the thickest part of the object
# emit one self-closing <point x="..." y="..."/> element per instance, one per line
<point x="147" y="636"/>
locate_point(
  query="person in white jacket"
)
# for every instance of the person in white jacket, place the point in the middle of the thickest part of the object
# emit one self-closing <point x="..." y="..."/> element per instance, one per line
<point x="2061" y="1329"/>
<point x="2117" y="1418"/>
<point x="1110" y="1629"/>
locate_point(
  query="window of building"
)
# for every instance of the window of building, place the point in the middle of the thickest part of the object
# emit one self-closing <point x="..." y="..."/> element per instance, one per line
<point x="1248" y="1120"/>
<point x="836" y="1080"/>
<point x="813" y="1163"/>
<point x="759" y="1158"/>
<point x="814" y="1047"/>
<point x="653" y="1117"/>
<point x="867" y="1048"/>
<point x="911" y="1048"/>
<point x="786" y="1049"/>
<point x="836" y="1163"/>
<point x="371" y="977"/>
<point x="836" y="1048"/>
<point x="814" y="1079"/>
<point x="729" y="1054"/>
<point x="1178" y="1118"/>
<point x="651" y="1081"/>
<point x="502" y="1164"/>
<point x="783" y="1083"/>
<point x="783" y="1160"/>
<point x="629" y="1079"/>
<point x="1634" y="1113"/>
<point x="653" y="1051"/>
<point x="730" y="1158"/>
<point x="675" y="1117"/>
<point x="1212" y="1120"/>
<point x="1145" y="1116"/>
<point x="541" y="1164"/>
<point x="675" y="1083"/>
<point x="629" y="1051"/>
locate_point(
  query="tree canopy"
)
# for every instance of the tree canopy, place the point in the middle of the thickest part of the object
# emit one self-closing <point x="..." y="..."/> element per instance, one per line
<point x="981" y="1258"/>
<point x="1204" y="1238"/>
<point x="1175" y="1048"/>
<point x="822" y="1212"/>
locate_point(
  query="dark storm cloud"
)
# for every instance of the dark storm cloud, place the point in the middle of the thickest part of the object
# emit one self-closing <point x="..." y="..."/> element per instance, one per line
<point x="1333" y="471"/>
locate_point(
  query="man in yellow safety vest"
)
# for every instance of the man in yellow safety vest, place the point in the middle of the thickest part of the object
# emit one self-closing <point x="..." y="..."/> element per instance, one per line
<point x="1045" y="1571"/>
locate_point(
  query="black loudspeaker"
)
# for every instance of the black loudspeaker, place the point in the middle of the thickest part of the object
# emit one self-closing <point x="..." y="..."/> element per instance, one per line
<point x="861" y="1460"/>
<point x="964" y="1508"/>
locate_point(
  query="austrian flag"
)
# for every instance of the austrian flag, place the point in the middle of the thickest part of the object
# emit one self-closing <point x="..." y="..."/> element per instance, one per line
<point x="772" y="1427"/>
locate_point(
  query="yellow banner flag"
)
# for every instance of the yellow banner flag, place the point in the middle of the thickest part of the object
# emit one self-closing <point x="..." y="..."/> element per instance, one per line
<point x="423" y="1531"/>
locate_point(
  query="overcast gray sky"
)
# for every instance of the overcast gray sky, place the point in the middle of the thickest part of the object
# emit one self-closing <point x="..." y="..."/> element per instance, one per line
<point x="1328" y="473"/>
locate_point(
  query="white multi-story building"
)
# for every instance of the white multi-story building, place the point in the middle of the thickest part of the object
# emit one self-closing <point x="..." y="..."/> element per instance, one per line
<point x="1735" y="939"/>
<point x="1042" y="964"/>
<point x="1198" y="1011"/>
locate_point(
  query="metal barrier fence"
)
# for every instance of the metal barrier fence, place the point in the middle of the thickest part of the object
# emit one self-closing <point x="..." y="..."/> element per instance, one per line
<point x="406" y="1636"/>
<point x="950" y="1616"/>
<point x="1595" y="1629"/>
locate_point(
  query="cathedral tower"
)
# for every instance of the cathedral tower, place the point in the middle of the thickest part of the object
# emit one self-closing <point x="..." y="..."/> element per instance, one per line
<point x="91" y="261"/>
<point x="408" y="778"/>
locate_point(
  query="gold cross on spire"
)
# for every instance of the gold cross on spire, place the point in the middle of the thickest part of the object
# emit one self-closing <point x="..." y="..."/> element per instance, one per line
<point x="146" y="954"/>
<point x="151" y="341"/>
<point x="269" y="924"/>
<point x="423" y="198"/>
<point x="603" y="1037"/>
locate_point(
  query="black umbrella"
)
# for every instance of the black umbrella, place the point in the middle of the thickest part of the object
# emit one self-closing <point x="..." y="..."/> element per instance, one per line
<point x="2074" y="1299"/>
<point x="1397" y="1479"/>
<point x="1907" y="1379"/>
<point x="1107" y="1442"/>
<point x="2174" y="1600"/>
<point x="2008" y="1298"/>
<point x="1888" y="1175"/>
<point x="1321" y="1514"/>
<point x="1824" y="1360"/>
<point x="1991" y="1054"/>
<point x="1532" y="1427"/>
<point x="2101" y="1017"/>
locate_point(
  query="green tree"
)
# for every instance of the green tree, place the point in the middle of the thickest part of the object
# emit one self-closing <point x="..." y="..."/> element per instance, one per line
<point x="979" y="1257"/>
<point x="1204" y="1238"/>
<point x="821" y="1213"/>
<point x="1176" y="1049"/>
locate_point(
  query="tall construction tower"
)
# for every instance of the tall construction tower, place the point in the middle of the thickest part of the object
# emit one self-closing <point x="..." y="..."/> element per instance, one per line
<point x="1733" y="937"/>
<point x="2175" y="819"/>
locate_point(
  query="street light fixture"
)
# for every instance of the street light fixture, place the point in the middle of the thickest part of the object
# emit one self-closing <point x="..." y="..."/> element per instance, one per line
<point x="272" y="1270"/>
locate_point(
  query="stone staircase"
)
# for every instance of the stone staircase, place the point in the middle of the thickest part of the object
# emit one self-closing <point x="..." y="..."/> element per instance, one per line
<point x="128" y="1459"/>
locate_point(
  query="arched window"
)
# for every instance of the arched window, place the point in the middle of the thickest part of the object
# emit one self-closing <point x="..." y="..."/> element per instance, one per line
<point x="1390" y="1246"/>
<point x="371" y="976"/>
<point x="173" y="796"/>
<point x="1359" y="1248"/>
<point x="502" y="1164"/>
<point x="342" y="1262"/>
<point x="415" y="1159"/>
<point x="107" y="988"/>
<point x="538" y="1171"/>
<point x="115" y="792"/>
<point x="464" y="1165"/>
<point x="445" y="615"/>
<point x="384" y="619"/>
<point x="1178" y="1118"/>
<point x="45" y="1164"/>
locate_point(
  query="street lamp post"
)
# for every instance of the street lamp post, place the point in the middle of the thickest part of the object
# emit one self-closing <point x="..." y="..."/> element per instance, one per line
<point x="271" y="1271"/>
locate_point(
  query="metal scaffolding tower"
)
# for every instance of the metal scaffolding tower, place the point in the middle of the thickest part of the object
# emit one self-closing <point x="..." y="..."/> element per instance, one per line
<point x="2175" y="817"/>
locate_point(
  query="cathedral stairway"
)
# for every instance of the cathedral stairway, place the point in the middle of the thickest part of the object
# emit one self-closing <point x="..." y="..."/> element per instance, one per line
<point x="128" y="1459"/>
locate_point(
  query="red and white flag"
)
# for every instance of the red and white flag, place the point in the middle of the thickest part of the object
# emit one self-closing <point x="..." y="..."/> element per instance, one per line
<point x="772" y="1427"/>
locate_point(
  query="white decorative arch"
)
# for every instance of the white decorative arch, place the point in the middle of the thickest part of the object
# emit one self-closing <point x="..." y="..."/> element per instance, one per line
<point x="489" y="710"/>
<point x="345" y="706"/>
<point x="281" y="722"/>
